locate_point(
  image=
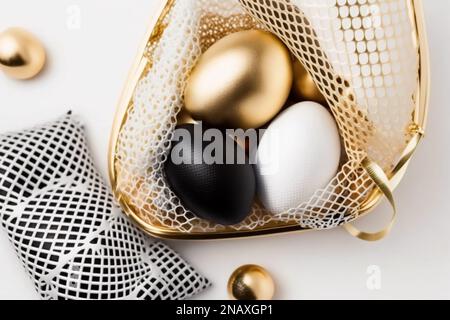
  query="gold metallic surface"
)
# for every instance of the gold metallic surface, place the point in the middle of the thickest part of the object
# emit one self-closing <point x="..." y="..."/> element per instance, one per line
<point x="22" y="55"/>
<point x="251" y="282"/>
<point x="422" y="100"/>
<point x="304" y="86"/>
<point x="242" y="81"/>
<point x="382" y="181"/>
<point x="385" y="187"/>
<point x="143" y="64"/>
<point x="185" y="118"/>
<point x="214" y="27"/>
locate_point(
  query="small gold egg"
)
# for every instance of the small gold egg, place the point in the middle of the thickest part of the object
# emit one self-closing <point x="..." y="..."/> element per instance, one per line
<point x="304" y="86"/>
<point x="251" y="282"/>
<point x="242" y="81"/>
<point x="22" y="56"/>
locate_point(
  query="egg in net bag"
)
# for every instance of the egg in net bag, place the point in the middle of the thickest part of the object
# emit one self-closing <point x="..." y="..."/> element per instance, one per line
<point x="363" y="56"/>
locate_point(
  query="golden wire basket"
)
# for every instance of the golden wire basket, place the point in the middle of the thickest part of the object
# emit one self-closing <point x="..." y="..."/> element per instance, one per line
<point x="368" y="58"/>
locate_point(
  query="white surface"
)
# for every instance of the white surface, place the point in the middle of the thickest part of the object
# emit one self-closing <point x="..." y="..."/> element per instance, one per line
<point x="87" y="69"/>
<point x="317" y="151"/>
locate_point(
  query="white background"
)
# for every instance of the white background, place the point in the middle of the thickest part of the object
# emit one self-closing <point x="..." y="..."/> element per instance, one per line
<point x="86" y="70"/>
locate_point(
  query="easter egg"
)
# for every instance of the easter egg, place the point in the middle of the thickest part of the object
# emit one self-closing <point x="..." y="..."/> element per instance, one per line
<point x="251" y="282"/>
<point x="214" y="183"/>
<point x="22" y="55"/>
<point x="298" y="155"/>
<point x="242" y="81"/>
<point x="304" y="86"/>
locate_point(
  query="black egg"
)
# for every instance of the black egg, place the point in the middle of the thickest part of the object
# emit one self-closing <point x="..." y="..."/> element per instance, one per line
<point x="218" y="191"/>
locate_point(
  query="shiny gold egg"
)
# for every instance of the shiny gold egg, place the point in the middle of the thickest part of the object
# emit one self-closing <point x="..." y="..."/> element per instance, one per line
<point x="251" y="282"/>
<point x="22" y="56"/>
<point x="304" y="86"/>
<point x="242" y="81"/>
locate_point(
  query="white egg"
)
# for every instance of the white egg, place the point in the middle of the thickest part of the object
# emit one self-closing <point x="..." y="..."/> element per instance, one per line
<point x="298" y="155"/>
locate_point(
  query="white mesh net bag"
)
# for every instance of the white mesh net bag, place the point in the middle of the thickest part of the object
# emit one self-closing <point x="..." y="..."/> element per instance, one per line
<point x="73" y="241"/>
<point x="363" y="56"/>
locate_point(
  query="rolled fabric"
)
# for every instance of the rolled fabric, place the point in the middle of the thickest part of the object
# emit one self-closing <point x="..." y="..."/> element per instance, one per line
<point x="73" y="240"/>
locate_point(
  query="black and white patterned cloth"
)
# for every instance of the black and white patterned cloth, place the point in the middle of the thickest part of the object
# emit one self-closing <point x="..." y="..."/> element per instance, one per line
<point x="74" y="242"/>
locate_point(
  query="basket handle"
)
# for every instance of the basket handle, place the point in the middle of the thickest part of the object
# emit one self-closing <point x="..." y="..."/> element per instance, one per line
<point x="386" y="185"/>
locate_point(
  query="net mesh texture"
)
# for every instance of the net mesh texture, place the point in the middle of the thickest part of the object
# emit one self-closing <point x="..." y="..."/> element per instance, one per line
<point x="363" y="57"/>
<point x="72" y="239"/>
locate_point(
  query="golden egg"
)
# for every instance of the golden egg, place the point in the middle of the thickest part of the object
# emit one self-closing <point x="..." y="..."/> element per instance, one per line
<point x="242" y="81"/>
<point x="22" y="55"/>
<point x="251" y="282"/>
<point x="304" y="86"/>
